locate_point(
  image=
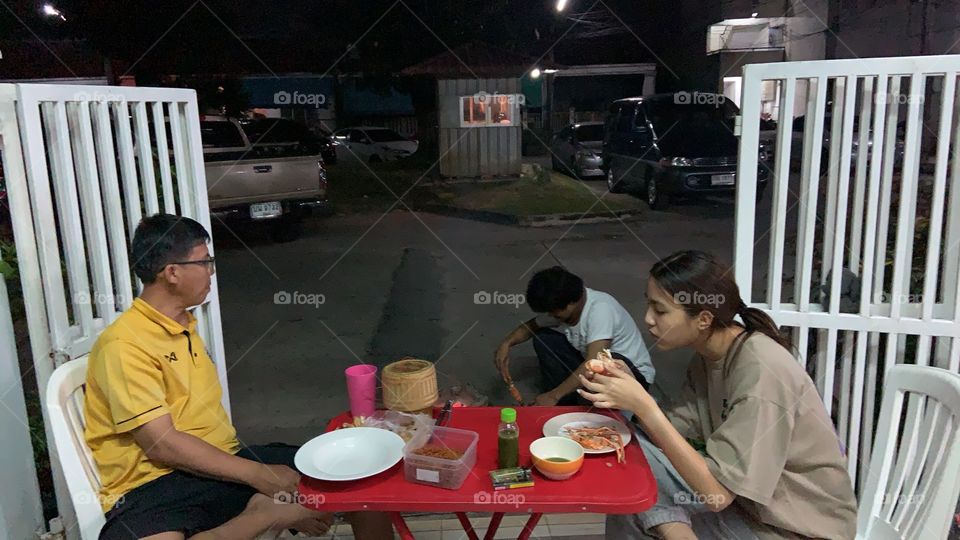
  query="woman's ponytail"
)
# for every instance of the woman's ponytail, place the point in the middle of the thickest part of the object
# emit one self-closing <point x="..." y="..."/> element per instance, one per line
<point x="756" y="320"/>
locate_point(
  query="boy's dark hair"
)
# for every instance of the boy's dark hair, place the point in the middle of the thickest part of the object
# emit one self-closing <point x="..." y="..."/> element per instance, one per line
<point x="161" y="239"/>
<point x="553" y="289"/>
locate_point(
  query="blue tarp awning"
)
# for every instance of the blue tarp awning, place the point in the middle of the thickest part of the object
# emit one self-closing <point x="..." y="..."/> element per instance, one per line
<point x="289" y="92"/>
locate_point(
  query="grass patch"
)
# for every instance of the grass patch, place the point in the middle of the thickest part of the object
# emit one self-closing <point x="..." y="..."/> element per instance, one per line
<point x="355" y="187"/>
<point x="556" y="194"/>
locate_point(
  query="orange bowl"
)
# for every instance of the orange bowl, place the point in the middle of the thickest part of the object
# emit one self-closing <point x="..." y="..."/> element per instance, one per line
<point x="545" y="448"/>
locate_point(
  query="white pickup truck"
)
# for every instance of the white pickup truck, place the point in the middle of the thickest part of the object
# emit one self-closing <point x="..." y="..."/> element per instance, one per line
<point x="278" y="183"/>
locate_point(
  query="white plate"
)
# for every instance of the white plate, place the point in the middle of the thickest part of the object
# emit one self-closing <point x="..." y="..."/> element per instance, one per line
<point x="556" y="427"/>
<point x="349" y="454"/>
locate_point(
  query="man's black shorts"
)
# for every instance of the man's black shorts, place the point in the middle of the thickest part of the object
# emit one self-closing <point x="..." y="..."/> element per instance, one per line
<point x="183" y="502"/>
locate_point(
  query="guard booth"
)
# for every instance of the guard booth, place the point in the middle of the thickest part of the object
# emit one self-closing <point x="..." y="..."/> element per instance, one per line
<point x="479" y="103"/>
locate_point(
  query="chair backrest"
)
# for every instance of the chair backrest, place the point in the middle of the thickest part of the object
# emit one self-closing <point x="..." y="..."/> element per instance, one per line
<point x="914" y="476"/>
<point x="64" y="401"/>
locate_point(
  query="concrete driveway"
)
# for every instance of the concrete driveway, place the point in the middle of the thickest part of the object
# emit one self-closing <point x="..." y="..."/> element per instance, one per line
<point x="373" y="288"/>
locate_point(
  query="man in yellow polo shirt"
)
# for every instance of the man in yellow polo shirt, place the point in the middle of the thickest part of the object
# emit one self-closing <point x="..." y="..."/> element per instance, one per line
<point x="169" y="458"/>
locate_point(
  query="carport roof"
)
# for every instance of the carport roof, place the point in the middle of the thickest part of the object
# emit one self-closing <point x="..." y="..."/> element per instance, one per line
<point x="477" y="60"/>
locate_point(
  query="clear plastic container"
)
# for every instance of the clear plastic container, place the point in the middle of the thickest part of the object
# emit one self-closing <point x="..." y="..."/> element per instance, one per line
<point x="438" y="471"/>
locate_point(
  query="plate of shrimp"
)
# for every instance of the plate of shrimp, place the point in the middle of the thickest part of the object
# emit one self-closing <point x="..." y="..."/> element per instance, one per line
<point x="596" y="433"/>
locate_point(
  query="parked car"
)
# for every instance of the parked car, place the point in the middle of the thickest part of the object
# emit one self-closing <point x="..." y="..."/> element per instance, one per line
<point x="242" y="185"/>
<point x="666" y="147"/>
<point x="768" y="138"/>
<point x="279" y="137"/>
<point x="576" y="149"/>
<point x="375" y="144"/>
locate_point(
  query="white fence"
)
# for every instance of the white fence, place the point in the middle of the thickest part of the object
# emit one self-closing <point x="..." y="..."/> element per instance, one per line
<point x="82" y="165"/>
<point x="860" y="255"/>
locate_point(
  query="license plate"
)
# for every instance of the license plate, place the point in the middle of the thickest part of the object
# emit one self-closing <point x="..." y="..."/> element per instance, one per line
<point x="265" y="210"/>
<point x="722" y="180"/>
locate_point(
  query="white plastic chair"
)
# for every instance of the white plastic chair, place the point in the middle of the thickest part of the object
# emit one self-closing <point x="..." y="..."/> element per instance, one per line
<point x="65" y="413"/>
<point x="914" y="475"/>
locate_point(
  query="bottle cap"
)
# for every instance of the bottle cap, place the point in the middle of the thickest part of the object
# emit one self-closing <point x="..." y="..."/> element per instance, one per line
<point x="508" y="415"/>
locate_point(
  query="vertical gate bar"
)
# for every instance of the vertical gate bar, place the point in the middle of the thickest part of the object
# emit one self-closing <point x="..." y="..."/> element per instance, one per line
<point x="128" y="167"/>
<point x="840" y="95"/>
<point x="778" y="219"/>
<point x="863" y="152"/>
<point x="91" y="201"/>
<point x="743" y="241"/>
<point x="888" y="146"/>
<point x="839" y="232"/>
<point x="184" y="183"/>
<point x="151" y="204"/>
<point x="116" y="227"/>
<point x="856" y="416"/>
<point x="163" y="157"/>
<point x="813" y="134"/>
<point x="828" y="359"/>
<point x="803" y="344"/>
<point x="846" y="374"/>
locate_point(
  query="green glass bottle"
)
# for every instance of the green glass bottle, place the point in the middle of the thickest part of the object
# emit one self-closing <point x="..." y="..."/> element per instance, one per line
<point x="508" y="439"/>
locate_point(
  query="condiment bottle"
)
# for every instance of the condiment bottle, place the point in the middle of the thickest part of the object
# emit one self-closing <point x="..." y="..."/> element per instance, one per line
<point x="508" y="439"/>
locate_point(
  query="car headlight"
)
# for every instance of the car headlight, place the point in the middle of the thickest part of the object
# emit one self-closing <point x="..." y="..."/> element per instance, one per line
<point x="676" y="162"/>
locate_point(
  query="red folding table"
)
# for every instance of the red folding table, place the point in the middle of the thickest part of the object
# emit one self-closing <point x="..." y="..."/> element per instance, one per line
<point x="602" y="485"/>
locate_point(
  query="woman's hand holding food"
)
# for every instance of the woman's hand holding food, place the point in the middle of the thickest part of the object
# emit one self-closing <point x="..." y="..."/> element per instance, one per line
<point x="615" y="388"/>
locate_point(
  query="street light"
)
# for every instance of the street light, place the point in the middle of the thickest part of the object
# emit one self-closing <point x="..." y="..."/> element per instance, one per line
<point x="51" y="11"/>
<point x="561" y="5"/>
<point x="535" y="73"/>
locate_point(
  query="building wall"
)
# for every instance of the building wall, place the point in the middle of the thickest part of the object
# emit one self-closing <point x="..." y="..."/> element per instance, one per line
<point x="476" y="151"/>
<point x="877" y="28"/>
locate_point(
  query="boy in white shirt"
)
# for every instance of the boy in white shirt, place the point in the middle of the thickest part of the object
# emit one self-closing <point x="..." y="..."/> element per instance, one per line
<point x="574" y="323"/>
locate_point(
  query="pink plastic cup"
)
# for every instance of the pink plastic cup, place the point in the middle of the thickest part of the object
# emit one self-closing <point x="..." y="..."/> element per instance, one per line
<point x="362" y="389"/>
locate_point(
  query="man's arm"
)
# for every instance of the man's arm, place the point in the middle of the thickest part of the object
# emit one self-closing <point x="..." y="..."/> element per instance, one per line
<point x="162" y="443"/>
<point x="520" y="334"/>
<point x="572" y="382"/>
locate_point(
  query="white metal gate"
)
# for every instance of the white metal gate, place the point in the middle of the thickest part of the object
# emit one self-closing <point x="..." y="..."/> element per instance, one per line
<point x="82" y="165"/>
<point x="877" y="198"/>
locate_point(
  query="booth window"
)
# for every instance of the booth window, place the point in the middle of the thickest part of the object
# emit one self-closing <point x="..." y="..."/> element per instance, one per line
<point x="488" y="110"/>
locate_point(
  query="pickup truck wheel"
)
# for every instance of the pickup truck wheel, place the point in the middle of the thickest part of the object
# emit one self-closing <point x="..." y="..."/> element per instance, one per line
<point x="287" y="229"/>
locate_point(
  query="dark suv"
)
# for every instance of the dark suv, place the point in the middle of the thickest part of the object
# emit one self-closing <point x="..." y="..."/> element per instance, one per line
<point x="678" y="144"/>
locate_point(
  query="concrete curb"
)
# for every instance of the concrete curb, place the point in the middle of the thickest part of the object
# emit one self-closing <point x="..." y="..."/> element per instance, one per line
<point x="543" y="220"/>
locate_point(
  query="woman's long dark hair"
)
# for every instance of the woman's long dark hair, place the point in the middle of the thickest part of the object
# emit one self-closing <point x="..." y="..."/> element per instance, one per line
<point x="699" y="282"/>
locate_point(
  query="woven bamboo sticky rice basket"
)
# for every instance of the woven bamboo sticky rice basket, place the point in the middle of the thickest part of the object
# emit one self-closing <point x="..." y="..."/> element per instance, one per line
<point x="409" y="385"/>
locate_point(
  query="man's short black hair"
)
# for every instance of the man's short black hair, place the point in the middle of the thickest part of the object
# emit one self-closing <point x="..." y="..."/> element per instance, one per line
<point x="553" y="289"/>
<point x="161" y="239"/>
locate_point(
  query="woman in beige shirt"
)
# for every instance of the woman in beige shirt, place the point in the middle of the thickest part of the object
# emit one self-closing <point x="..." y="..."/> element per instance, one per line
<point x="770" y="464"/>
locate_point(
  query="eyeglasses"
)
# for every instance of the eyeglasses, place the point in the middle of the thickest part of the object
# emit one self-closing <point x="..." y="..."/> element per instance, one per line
<point x="209" y="263"/>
